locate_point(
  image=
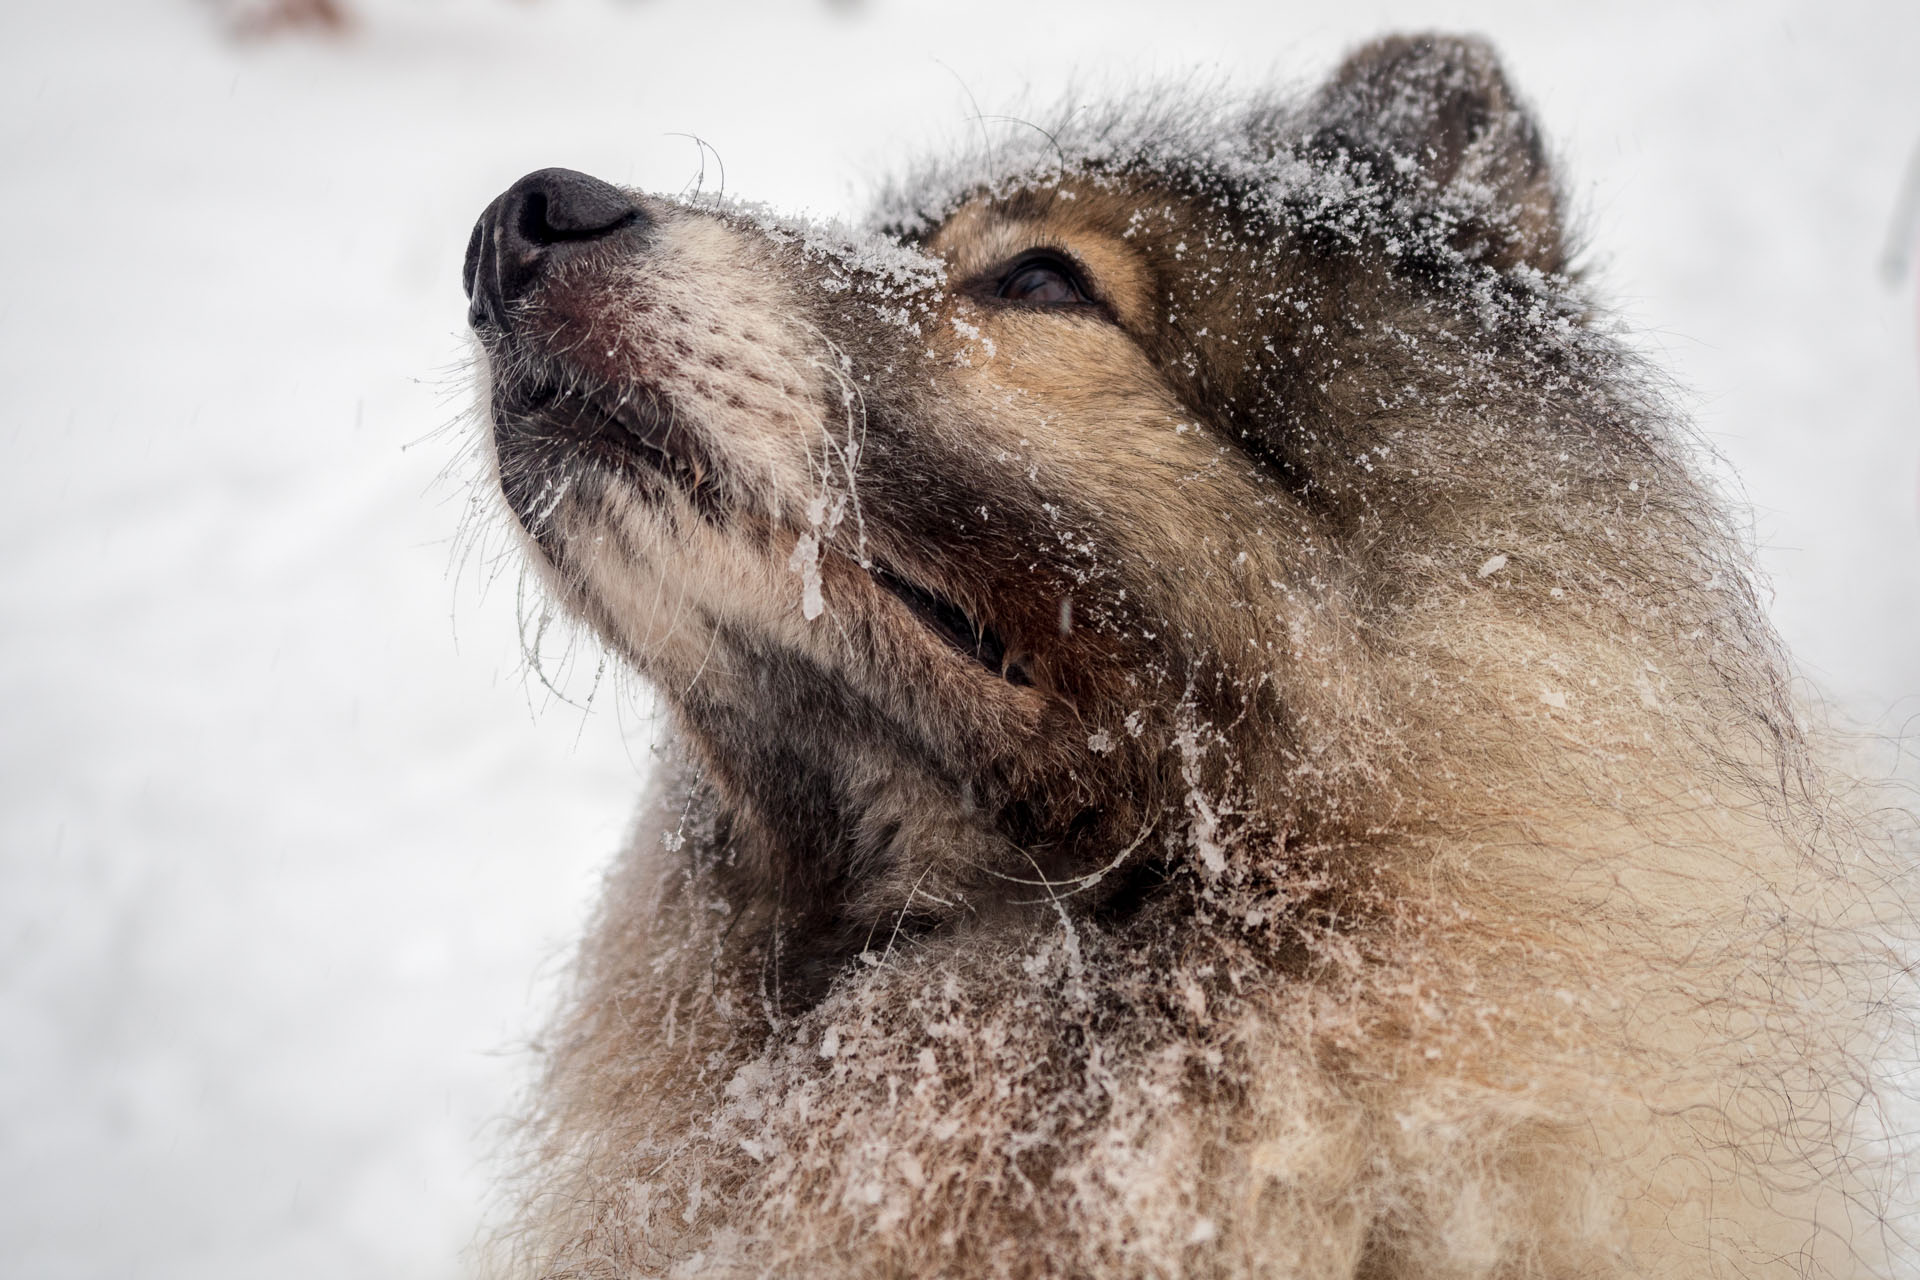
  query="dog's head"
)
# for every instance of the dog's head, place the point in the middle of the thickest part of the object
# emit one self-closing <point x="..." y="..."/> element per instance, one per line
<point x="1060" y="511"/>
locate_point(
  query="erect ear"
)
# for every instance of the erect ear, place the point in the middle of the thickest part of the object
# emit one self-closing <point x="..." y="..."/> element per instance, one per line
<point x="1434" y="116"/>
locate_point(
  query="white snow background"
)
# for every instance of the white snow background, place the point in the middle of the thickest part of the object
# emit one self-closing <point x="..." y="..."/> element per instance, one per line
<point x="291" y="845"/>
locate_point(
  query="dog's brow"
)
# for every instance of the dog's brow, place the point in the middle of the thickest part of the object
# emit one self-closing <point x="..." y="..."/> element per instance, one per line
<point x="979" y="238"/>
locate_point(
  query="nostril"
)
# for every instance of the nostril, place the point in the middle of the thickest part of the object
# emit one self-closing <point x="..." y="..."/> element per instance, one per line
<point x="534" y="228"/>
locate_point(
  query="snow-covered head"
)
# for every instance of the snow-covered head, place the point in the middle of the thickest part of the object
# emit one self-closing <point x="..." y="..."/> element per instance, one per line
<point x="1164" y="487"/>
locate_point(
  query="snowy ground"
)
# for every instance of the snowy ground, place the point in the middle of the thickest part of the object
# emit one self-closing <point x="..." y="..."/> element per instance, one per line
<point x="287" y="834"/>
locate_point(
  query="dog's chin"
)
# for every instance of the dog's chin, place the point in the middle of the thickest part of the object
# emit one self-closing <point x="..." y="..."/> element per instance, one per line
<point x="544" y="432"/>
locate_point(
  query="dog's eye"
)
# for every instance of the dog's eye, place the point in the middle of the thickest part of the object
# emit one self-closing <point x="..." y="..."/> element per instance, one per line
<point x="1043" y="279"/>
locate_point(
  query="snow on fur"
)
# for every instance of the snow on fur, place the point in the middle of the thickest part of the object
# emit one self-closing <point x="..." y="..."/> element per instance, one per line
<point x="1511" y="926"/>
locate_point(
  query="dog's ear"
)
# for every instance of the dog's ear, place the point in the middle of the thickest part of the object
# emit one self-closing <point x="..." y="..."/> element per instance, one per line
<point x="1433" y="116"/>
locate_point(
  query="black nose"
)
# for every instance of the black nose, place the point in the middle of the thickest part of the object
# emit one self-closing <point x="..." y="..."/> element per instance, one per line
<point x="538" y="220"/>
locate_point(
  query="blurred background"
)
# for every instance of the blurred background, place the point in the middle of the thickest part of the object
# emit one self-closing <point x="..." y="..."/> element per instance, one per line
<point x="292" y="843"/>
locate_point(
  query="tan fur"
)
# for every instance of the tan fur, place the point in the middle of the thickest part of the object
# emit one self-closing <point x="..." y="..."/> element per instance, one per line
<point x="1490" y="914"/>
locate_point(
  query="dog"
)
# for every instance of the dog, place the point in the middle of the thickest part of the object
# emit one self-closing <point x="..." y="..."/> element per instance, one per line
<point x="1218" y="729"/>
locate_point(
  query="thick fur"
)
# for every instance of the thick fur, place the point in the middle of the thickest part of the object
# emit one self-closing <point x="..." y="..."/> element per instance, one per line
<point x="1371" y="835"/>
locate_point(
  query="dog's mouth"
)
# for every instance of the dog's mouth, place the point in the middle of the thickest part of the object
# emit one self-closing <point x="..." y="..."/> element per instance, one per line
<point x="947" y="620"/>
<point x="637" y="433"/>
<point x="634" y="431"/>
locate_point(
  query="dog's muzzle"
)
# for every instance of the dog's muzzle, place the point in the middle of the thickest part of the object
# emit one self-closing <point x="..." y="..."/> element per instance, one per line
<point x="546" y="217"/>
